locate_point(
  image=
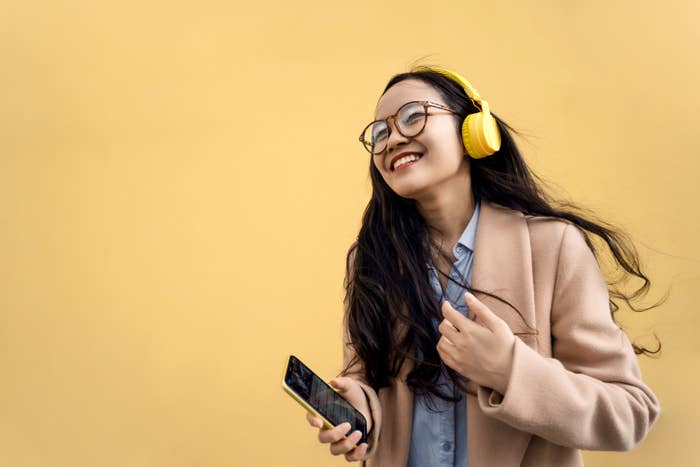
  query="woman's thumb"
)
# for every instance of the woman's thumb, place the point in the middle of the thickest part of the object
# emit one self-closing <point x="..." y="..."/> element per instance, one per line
<point x="338" y="383"/>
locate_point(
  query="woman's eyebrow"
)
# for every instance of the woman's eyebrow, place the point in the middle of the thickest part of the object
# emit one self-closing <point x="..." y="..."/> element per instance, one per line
<point x="392" y="113"/>
<point x="377" y="118"/>
<point x="389" y="113"/>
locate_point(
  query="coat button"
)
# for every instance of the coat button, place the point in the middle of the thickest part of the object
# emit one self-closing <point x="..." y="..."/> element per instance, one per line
<point x="446" y="446"/>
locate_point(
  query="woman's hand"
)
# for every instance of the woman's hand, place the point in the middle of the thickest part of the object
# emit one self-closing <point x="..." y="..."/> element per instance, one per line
<point x="336" y="436"/>
<point x="481" y="348"/>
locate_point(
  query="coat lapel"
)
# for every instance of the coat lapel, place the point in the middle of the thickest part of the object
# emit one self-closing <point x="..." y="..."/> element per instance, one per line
<point x="502" y="266"/>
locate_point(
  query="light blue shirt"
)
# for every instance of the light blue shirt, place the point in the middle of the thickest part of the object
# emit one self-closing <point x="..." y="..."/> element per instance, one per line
<point x="440" y="439"/>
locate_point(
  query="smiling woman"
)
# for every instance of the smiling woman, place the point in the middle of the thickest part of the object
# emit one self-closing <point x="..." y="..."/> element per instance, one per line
<point x="529" y="371"/>
<point x="427" y="127"/>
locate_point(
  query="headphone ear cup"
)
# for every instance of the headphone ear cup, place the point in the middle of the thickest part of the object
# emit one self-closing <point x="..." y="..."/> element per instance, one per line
<point x="468" y="139"/>
<point x="480" y="131"/>
<point x="480" y="134"/>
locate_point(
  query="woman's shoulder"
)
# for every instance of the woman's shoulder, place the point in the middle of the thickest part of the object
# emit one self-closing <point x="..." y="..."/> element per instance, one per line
<point x="546" y="227"/>
<point x="557" y="239"/>
<point x="537" y="224"/>
<point x="546" y="232"/>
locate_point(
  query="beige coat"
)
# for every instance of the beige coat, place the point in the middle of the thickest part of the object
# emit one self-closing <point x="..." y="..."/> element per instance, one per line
<point x="575" y="385"/>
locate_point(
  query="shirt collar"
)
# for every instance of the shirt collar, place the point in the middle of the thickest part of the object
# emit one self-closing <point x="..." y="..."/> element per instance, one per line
<point x="468" y="237"/>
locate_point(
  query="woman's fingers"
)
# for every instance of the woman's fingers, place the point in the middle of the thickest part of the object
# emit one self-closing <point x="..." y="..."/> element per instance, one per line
<point x="347" y="444"/>
<point x="357" y="453"/>
<point x="341" y="440"/>
<point x="484" y="315"/>
<point x="313" y="421"/>
<point x="332" y="435"/>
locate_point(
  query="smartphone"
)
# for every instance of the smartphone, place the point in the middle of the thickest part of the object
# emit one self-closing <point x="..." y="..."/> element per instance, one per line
<point x="316" y="396"/>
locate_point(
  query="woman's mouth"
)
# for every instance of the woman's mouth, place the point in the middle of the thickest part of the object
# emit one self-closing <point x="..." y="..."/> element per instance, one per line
<point x="405" y="161"/>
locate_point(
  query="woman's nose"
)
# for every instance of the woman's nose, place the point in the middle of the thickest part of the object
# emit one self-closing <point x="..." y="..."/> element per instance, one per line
<point x="394" y="137"/>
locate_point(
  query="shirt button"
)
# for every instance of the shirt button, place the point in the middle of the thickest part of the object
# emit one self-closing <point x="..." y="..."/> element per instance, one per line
<point x="460" y="251"/>
<point x="446" y="446"/>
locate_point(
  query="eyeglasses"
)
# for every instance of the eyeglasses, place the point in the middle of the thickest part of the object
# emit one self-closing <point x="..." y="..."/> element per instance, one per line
<point x="412" y="117"/>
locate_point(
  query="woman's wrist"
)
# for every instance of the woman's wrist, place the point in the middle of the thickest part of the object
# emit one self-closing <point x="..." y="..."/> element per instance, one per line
<point x="502" y="385"/>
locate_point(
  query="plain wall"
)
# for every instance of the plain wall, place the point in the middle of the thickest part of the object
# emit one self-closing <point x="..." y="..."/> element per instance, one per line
<point x="180" y="182"/>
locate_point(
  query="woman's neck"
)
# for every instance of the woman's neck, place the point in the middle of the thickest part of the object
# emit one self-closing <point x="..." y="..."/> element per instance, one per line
<point x="447" y="210"/>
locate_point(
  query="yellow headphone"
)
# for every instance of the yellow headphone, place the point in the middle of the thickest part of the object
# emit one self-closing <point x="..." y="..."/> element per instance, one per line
<point x="479" y="130"/>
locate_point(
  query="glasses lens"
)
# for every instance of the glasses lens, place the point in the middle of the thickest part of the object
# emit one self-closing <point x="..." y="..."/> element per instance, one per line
<point x="375" y="137"/>
<point x="410" y="120"/>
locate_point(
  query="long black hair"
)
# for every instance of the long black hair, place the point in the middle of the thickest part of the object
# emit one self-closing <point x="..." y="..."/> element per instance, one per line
<point x="387" y="286"/>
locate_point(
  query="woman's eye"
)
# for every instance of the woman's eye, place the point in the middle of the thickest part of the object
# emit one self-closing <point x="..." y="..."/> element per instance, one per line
<point x="415" y="116"/>
<point x="379" y="135"/>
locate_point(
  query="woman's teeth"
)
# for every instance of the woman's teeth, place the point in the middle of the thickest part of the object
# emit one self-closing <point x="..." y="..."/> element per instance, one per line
<point x="405" y="160"/>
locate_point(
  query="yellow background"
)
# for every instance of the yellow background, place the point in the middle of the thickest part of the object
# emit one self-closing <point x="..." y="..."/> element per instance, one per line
<point x="180" y="181"/>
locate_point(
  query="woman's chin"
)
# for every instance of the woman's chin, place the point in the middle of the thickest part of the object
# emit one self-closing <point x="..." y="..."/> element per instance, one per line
<point x="412" y="184"/>
<point x="409" y="191"/>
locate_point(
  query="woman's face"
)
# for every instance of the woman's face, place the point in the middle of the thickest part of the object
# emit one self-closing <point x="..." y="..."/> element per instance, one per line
<point x="439" y="145"/>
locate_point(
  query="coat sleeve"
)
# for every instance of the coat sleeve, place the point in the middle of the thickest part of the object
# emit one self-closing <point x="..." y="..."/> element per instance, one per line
<point x="591" y="394"/>
<point x="357" y="372"/>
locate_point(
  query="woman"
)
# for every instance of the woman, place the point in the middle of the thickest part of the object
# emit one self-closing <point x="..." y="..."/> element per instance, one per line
<point x="531" y="370"/>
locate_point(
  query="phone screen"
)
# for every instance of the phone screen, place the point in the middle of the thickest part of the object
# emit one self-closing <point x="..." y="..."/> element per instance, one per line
<point x="322" y="397"/>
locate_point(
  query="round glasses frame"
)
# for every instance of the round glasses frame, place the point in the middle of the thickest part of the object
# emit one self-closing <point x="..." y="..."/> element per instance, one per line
<point x="370" y="147"/>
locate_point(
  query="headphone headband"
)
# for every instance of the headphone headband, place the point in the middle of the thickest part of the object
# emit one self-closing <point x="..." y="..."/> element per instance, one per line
<point x="454" y="76"/>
